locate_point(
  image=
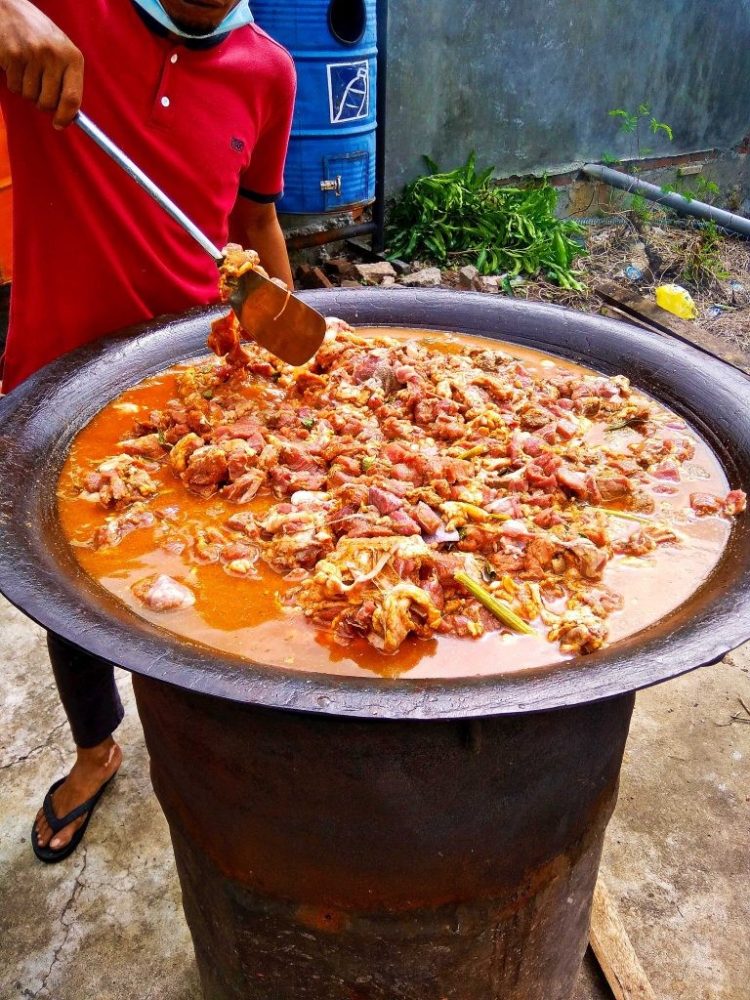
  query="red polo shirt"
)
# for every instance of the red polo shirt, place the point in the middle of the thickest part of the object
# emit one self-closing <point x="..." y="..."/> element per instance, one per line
<point x="92" y="252"/>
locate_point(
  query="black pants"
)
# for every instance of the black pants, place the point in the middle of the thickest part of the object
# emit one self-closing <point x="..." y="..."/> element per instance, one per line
<point x="87" y="690"/>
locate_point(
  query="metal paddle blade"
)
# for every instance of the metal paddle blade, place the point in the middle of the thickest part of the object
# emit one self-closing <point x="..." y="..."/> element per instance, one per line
<point x="277" y="319"/>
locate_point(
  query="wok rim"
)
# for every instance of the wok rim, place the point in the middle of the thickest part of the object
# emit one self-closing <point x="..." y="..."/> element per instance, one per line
<point x="39" y="576"/>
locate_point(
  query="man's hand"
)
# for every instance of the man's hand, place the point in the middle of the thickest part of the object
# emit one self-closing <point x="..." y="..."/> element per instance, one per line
<point x="40" y="62"/>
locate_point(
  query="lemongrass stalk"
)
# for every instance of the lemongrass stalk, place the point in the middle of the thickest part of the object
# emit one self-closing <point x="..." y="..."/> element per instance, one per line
<point x="499" y="609"/>
<point x="474" y="452"/>
<point x="624" y="514"/>
<point x="476" y="513"/>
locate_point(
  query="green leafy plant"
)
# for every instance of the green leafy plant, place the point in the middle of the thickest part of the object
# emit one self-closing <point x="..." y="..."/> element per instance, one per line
<point x="705" y="190"/>
<point x="633" y="125"/>
<point x="640" y="207"/>
<point x="708" y="190"/>
<point x="610" y="160"/>
<point x="463" y="217"/>
<point x="704" y="265"/>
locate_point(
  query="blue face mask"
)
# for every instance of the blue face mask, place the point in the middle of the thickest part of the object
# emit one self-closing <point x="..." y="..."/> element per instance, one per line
<point x="236" y="18"/>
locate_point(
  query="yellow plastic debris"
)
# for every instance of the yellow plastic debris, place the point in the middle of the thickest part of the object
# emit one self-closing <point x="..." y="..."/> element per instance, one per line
<point x="677" y="300"/>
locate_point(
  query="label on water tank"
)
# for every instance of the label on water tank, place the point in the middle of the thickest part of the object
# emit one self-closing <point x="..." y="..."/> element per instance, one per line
<point x="348" y="91"/>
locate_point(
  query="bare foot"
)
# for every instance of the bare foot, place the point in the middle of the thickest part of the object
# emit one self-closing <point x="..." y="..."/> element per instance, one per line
<point x="92" y="768"/>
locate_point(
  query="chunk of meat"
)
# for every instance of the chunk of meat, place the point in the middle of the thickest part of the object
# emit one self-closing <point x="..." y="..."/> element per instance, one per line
<point x="548" y="518"/>
<point x="579" y="631"/>
<point x="115" y="528"/>
<point x="241" y="458"/>
<point x="516" y="528"/>
<point x="735" y="502"/>
<point x="567" y="428"/>
<point x="224" y="340"/>
<point x="580" y="484"/>
<point x="244" y="489"/>
<point x="224" y="334"/>
<point x="539" y="479"/>
<point x="208" y="545"/>
<point x="247" y="429"/>
<point x="121" y="481"/>
<point x="542" y="555"/>
<point x="427" y="518"/>
<point x="237" y="261"/>
<point x="403" y="523"/>
<point x="335" y="325"/>
<point x="404" y="609"/>
<point x="586" y="558"/>
<point x="384" y="501"/>
<point x="295" y="536"/>
<point x="286" y="481"/>
<point x="206" y="470"/>
<point x="244" y="522"/>
<point x="182" y="450"/>
<point x="160" y="592"/>
<point x="644" y="540"/>
<point x="148" y="446"/>
<point x="668" y="469"/>
<point x="706" y="504"/>
<point x="612" y="487"/>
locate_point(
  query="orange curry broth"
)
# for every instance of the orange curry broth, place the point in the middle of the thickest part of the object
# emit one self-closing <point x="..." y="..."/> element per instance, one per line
<point x="246" y="617"/>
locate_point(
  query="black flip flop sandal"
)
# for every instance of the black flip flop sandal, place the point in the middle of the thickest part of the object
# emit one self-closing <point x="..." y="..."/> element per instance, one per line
<point x="48" y="855"/>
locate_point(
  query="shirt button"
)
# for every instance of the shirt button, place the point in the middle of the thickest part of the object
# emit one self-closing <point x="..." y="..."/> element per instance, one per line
<point x="165" y="102"/>
<point x="173" y="58"/>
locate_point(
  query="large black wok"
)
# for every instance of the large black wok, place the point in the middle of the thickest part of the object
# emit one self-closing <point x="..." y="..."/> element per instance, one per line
<point x="39" y="574"/>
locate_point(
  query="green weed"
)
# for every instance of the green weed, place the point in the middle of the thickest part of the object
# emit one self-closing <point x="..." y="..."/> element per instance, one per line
<point x="632" y="125"/>
<point x="704" y="266"/>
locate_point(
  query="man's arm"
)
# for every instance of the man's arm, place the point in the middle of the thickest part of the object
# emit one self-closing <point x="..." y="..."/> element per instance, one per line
<point x="40" y="62"/>
<point x="255" y="225"/>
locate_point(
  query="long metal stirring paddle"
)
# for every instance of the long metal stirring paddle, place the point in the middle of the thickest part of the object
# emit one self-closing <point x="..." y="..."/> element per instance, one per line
<point x="278" y="320"/>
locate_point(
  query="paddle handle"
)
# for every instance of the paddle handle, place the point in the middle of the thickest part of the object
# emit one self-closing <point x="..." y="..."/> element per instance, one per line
<point x="134" y="171"/>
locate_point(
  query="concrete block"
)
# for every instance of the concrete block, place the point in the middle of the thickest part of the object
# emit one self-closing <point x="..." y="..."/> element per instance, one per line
<point x="490" y="283"/>
<point x="468" y="277"/>
<point x="339" y="267"/>
<point x="373" y="274"/>
<point x="428" y="277"/>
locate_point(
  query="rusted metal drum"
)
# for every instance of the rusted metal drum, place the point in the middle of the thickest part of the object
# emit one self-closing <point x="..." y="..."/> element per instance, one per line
<point x="355" y="838"/>
<point x="324" y="858"/>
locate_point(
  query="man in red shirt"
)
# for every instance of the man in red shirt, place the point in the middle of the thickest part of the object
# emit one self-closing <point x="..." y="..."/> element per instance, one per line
<point x="202" y="100"/>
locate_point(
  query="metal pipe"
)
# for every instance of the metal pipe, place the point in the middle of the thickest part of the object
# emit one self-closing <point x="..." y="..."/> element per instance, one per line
<point x="378" y="240"/>
<point x="305" y="240"/>
<point x="143" y="180"/>
<point x="687" y="206"/>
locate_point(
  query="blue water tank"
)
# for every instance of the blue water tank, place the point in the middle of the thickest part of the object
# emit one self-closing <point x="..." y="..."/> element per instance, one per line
<point x="331" y="159"/>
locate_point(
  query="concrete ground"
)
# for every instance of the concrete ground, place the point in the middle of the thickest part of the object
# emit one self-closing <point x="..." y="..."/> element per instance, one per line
<point x="107" y="924"/>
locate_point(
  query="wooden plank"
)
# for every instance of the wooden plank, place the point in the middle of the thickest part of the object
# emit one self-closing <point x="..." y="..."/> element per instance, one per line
<point x="614" y="952"/>
<point x="638" y="307"/>
<point x="614" y="313"/>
